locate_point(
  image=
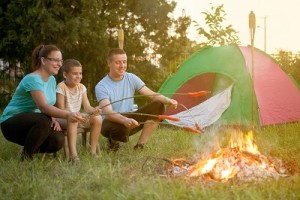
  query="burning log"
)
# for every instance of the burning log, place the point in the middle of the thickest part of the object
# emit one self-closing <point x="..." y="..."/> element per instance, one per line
<point x="241" y="160"/>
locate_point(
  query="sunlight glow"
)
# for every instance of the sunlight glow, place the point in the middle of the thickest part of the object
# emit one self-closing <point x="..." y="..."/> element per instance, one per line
<point x="281" y="32"/>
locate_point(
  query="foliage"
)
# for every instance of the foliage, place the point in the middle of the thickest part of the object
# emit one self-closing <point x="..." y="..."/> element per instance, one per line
<point x="146" y="27"/>
<point x="9" y="79"/>
<point x="296" y="71"/>
<point x="29" y="23"/>
<point x="289" y="62"/>
<point x="129" y="174"/>
<point x="179" y="46"/>
<point x="72" y="25"/>
<point x="6" y="92"/>
<point x="215" y="34"/>
<point x="152" y="76"/>
<point x="84" y="30"/>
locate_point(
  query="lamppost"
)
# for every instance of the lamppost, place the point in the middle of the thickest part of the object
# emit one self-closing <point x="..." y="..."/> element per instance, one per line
<point x="121" y="37"/>
<point x="265" y="33"/>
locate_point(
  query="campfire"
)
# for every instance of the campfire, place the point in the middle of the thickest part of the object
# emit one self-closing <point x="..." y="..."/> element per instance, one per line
<point x="240" y="160"/>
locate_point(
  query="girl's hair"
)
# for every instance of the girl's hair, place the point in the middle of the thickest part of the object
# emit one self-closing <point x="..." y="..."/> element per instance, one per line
<point x="67" y="64"/>
<point x="41" y="51"/>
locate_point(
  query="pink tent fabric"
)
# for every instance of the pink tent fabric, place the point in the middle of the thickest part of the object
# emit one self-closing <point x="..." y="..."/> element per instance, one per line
<point x="277" y="97"/>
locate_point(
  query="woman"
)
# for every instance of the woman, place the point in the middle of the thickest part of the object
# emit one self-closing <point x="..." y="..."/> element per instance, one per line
<point x="29" y="118"/>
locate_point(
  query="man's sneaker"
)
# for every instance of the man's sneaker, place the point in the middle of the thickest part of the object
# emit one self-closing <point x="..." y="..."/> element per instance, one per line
<point x="113" y="146"/>
<point x="138" y="146"/>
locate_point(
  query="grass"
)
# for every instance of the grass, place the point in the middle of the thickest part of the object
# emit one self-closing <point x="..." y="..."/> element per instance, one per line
<point x="129" y="174"/>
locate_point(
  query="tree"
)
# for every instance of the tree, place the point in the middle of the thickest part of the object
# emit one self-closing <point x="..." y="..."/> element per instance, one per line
<point x="29" y="23"/>
<point x="179" y="46"/>
<point x="296" y="72"/>
<point x="289" y="63"/>
<point x="72" y="25"/>
<point x="215" y="34"/>
<point x="84" y="30"/>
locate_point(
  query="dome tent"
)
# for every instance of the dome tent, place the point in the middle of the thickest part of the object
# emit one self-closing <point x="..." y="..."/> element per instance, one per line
<point x="226" y="72"/>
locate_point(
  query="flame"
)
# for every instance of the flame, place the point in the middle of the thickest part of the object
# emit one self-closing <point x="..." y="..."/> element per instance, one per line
<point x="203" y="167"/>
<point x="241" y="159"/>
<point x="244" y="142"/>
<point x="227" y="173"/>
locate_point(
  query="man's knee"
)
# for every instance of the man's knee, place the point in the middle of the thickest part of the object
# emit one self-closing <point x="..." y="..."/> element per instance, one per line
<point x="157" y="107"/>
<point x="115" y="131"/>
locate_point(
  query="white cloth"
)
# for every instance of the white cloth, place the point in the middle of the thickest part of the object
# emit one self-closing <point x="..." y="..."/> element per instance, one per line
<point x="205" y="113"/>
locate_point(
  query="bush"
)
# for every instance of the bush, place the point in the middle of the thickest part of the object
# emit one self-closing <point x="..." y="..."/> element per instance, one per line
<point x="6" y="93"/>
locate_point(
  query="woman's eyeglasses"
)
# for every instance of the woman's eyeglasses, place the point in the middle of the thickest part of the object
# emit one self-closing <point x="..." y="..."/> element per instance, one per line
<point x="55" y="60"/>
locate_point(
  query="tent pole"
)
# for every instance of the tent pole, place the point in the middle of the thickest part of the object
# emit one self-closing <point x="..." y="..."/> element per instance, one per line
<point x="252" y="25"/>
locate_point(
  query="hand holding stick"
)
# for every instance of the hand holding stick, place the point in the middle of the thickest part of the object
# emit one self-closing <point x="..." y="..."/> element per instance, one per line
<point x="97" y="111"/>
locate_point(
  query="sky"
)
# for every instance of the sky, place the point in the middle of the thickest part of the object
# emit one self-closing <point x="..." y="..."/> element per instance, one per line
<point x="282" y="21"/>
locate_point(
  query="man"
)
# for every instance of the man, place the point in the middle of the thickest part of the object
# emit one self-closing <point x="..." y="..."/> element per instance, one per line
<point x="114" y="94"/>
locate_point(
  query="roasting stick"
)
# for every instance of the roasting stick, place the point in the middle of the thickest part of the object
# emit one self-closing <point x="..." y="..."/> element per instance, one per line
<point x="197" y="126"/>
<point x="186" y="128"/>
<point x="191" y="94"/>
<point x="161" y="117"/>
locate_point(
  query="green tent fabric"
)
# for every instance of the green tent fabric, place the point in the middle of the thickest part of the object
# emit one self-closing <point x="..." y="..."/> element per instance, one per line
<point x="215" y="68"/>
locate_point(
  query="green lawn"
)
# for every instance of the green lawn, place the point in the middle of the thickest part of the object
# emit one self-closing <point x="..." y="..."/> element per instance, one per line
<point x="129" y="174"/>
